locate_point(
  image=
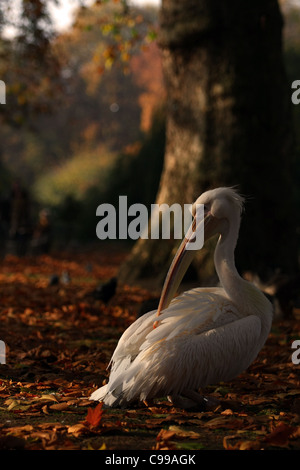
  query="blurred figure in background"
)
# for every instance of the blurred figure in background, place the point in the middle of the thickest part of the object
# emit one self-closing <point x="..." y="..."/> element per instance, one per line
<point x="41" y="238"/>
<point x="20" y="220"/>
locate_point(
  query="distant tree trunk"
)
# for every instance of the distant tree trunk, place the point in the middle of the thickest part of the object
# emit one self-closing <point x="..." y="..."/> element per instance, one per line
<point x="228" y="123"/>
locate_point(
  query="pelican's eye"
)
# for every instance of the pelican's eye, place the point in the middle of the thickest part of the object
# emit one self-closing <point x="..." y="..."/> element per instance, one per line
<point x="206" y="208"/>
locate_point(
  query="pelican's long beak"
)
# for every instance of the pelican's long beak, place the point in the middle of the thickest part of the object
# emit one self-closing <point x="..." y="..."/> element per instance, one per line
<point x="184" y="257"/>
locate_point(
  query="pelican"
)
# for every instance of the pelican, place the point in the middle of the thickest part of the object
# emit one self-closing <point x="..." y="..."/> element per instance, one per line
<point x="201" y="337"/>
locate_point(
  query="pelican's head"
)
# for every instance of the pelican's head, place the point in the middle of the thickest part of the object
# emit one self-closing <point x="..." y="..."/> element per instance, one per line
<point x="221" y="205"/>
<point x="222" y="210"/>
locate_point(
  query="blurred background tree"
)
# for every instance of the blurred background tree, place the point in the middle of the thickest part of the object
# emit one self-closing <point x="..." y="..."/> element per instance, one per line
<point x="93" y="107"/>
<point x="229" y="122"/>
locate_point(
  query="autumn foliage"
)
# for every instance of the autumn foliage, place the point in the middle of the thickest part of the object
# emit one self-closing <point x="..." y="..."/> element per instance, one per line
<point x="59" y="340"/>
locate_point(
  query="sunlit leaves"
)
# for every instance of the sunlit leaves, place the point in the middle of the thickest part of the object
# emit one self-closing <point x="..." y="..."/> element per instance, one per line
<point x="125" y="30"/>
<point x="59" y="342"/>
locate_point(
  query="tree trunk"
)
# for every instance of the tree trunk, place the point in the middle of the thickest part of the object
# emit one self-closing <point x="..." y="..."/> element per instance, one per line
<point x="228" y="123"/>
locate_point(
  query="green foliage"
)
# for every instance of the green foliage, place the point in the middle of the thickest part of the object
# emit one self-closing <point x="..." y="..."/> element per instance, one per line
<point x="75" y="177"/>
<point x="75" y="190"/>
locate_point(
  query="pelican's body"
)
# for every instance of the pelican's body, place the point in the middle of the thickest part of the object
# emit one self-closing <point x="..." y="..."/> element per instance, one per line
<point x="202" y="337"/>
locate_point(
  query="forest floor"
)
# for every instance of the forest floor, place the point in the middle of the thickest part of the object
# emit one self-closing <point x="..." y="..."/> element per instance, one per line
<point x="59" y="340"/>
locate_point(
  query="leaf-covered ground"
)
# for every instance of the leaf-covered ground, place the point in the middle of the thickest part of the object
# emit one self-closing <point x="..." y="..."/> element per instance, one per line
<point x="59" y="340"/>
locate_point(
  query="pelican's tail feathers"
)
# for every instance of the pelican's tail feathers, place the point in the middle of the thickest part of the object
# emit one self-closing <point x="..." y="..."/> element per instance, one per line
<point x="110" y="399"/>
<point x="99" y="394"/>
<point x="112" y="394"/>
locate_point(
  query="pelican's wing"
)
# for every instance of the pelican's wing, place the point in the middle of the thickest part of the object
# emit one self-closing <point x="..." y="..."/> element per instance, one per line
<point x="197" y="307"/>
<point x="192" y="313"/>
<point x="127" y="349"/>
<point x="132" y="338"/>
<point x="191" y="361"/>
<point x="207" y="304"/>
<point x="196" y="310"/>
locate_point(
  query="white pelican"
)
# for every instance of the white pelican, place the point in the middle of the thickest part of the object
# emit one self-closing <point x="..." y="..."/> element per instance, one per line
<point x="202" y="337"/>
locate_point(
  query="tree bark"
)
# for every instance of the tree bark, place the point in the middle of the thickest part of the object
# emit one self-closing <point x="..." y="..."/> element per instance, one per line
<point x="228" y="123"/>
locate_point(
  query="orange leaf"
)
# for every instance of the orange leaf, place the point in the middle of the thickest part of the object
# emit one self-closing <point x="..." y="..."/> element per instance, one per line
<point x="162" y="440"/>
<point x="279" y="436"/>
<point x="240" y="445"/>
<point x="77" y="429"/>
<point x="94" y="415"/>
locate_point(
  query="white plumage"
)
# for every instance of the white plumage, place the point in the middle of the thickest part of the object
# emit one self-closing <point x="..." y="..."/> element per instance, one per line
<point x="202" y="337"/>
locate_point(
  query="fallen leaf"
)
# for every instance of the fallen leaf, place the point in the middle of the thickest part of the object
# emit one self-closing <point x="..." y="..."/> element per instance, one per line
<point x="17" y="430"/>
<point x="163" y="438"/>
<point x="77" y="429"/>
<point x="48" y="397"/>
<point x="94" y="416"/>
<point x="250" y="445"/>
<point x="240" y="445"/>
<point x="45" y="409"/>
<point x="165" y="435"/>
<point x="59" y="406"/>
<point x="53" y="426"/>
<point x="184" y="433"/>
<point x="226" y="422"/>
<point x="280" y="435"/>
<point x="227" y="412"/>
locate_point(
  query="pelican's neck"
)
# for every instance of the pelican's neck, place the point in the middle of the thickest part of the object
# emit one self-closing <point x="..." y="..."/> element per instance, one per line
<point x="247" y="298"/>
<point x="224" y="260"/>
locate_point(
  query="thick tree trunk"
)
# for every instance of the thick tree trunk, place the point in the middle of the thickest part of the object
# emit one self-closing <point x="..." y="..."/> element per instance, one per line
<point x="228" y="123"/>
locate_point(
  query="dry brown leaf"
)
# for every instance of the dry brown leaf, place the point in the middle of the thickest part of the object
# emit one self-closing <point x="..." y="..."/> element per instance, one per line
<point x="280" y="435"/>
<point x="59" y="406"/>
<point x="84" y="402"/>
<point x="165" y="435"/>
<point x="77" y="429"/>
<point x="18" y="430"/>
<point x="227" y="412"/>
<point x="240" y="445"/>
<point x="250" y="445"/>
<point x="48" y="397"/>
<point x="45" y="409"/>
<point x="226" y="444"/>
<point x="52" y="426"/>
<point x="163" y="440"/>
<point x="224" y="422"/>
<point x="183" y="433"/>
